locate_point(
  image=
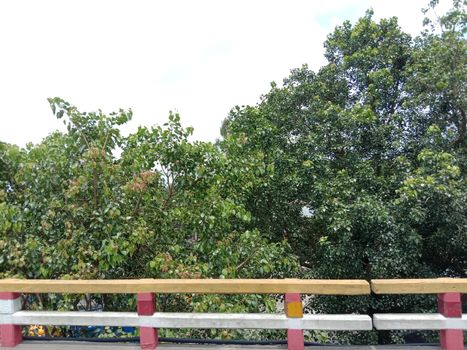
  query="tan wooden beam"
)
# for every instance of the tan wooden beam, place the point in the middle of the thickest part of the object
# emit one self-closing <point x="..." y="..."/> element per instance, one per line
<point x="419" y="286"/>
<point x="202" y="286"/>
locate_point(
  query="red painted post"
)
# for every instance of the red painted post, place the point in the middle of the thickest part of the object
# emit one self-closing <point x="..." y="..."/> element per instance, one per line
<point x="449" y="305"/>
<point x="293" y="309"/>
<point x="146" y="307"/>
<point x="10" y="334"/>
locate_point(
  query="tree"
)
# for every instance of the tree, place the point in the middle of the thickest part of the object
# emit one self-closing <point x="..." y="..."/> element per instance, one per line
<point x="165" y="208"/>
<point x="372" y="151"/>
<point x="437" y="84"/>
<point x="354" y="171"/>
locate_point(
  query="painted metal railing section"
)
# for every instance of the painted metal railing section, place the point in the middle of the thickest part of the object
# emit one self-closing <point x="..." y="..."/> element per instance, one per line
<point x="146" y="317"/>
<point x="450" y="320"/>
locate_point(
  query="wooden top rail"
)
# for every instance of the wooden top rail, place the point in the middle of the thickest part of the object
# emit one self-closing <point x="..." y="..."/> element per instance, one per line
<point x="239" y="286"/>
<point x="202" y="286"/>
<point x="419" y="286"/>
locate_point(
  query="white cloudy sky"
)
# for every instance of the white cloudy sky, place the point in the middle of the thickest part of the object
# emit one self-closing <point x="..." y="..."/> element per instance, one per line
<point x="199" y="58"/>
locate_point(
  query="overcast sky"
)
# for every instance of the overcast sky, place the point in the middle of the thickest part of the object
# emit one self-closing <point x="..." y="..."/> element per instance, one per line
<point x="199" y="58"/>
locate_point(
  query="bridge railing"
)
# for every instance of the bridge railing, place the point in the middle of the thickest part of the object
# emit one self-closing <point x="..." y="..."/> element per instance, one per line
<point x="146" y="317"/>
<point x="449" y="319"/>
<point x="293" y="319"/>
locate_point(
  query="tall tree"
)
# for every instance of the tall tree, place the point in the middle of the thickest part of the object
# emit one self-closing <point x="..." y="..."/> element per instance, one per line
<point x="166" y="207"/>
<point x="370" y="148"/>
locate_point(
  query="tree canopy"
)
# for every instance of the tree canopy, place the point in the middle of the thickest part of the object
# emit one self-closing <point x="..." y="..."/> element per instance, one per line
<point x="356" y="170"/>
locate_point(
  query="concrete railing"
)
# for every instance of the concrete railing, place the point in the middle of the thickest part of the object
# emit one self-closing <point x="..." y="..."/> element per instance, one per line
<point x="450" y="320"/>
<point x="293" y="319"/>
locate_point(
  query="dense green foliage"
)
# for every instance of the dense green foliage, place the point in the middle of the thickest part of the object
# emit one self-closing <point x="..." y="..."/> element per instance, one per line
<point x="166" y="208"/>
<point x="373" y="147"/>
<point x="354" y="171"/>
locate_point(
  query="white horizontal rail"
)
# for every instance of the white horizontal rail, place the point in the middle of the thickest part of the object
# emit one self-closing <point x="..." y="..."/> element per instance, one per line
<point x="190" y="320"/>
<point x="418" y="321"/>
